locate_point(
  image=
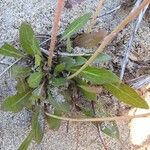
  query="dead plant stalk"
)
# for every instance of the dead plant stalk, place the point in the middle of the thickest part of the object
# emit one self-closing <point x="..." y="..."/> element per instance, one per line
<point x="97" y="12"/>
<point x="60" y="5"/>
<point x="111" y="36"/>
<point x="117" y="118"/>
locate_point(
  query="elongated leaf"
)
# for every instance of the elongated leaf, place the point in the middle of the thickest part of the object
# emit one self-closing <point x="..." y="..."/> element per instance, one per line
<point x="36" y="128"/>
<point x="87" y="94"/>
<point x="88" y="112"/>
<point x="28" y="40"/>
<point x="58" y="82"/>
<point x="127" y="95"/>
<point x="69" y="45"/>
<point x="102" y="58"/>
<point x="25" y="144"/>
<point x="68" y="61"/>
<point x="67" y="94"/>
<point x="22" y="85"/>
<point x="20" y="71"/>
<point x="60" y="104"/>
<point x="59" y="68"/>
<point x="53" y="123"/>
<point x="16" y="102"/>
<point x="9" y="50"/>
<point x="35" y="79"/>
<point x="38" y="92"/>
<point x="38" y="60"/>
<point x="76" y="25"/>
<point x="92" y="89"/>
<point x="99" y="76"/>
<point x="109" y="128"/>
<point x="90" y="40"/>
<point x="80" y="61"/>
<point x="90" y="96"/>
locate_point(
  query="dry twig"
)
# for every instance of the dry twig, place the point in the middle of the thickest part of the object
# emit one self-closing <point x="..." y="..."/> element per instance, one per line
<point x="117" y="118"/>
<point x="60" y="5"/>
<point x="9" y="67"/>
<point x="111" y="11"/>
<point x="135" y="26"/>
<point x="98" y="9"/>
<point x="63" y="54"/>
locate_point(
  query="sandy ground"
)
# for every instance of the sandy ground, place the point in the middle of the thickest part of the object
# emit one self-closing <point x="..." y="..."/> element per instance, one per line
<point x="15" y="127"/>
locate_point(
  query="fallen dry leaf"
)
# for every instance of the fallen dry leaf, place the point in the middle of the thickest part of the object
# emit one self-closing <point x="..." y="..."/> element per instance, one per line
<point x="90" y="40"/>
<point x="134" y="56"/>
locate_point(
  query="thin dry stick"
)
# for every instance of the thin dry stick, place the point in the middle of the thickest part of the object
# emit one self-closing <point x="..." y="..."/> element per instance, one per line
<point x="139" y="84"/>
<point x="110" y="37"/>
<point x="9" y="67"/>
<point x="117" y="118"/>
<point x="60" y="5"/>
<point x="98" y="9"/>
<point x="128" y="48"/>
<point x="63" y="54"/>
<point x="111" y="11"/>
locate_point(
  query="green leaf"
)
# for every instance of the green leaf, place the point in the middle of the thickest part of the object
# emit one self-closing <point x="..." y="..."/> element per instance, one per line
<point x="16" y="102"/>
<point x="90" y="96"/>
<point x="36" y="95"/>
<point x="37" y="92"/>
<point x="68" y="61"/>
<point x="67" y="94"/>
<point x="80" y="61"/>
<point x="76" y="25"/>
<point x="25" y="144"/>
<point x="59" y="104"/>
<point x="102" y="58"/>
<point x="9" y="50"/>
<point x="28" y="41"/>
<point x="127" y="95"/>
<point x="109" y="128"/>
<point x="59" y="68"/>
<point x="38" y="60"/>
<point x="53" y="123"/>
<point x="22" y="85"/>
<point x="87" y="95"/>
<point x="99" y="76"/>
<point x="88" y="112"/>
<point x="69" y="45"/>
<point x="91" y="89"/>
<point x="36" y="128"/>
<point x="20" y="71"/>
<point x="35" y="79"/>
<point x="58" y="82"/>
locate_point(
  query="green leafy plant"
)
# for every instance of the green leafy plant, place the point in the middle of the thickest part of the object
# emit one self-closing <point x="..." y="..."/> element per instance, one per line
<point x="43" y="90"/>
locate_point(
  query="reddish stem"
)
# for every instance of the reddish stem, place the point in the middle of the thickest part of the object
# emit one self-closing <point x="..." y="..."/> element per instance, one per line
<point x="60" y="5"/>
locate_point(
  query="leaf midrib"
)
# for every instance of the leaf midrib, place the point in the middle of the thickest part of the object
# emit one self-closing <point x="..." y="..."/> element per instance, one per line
<point x="38" y="77"/>
<point x="74" y="27"/>
<point x="13" y="52"/>
<point x="20" y="99"/>
<point x="99" y="76"/>
<point x="139" y="103"/>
